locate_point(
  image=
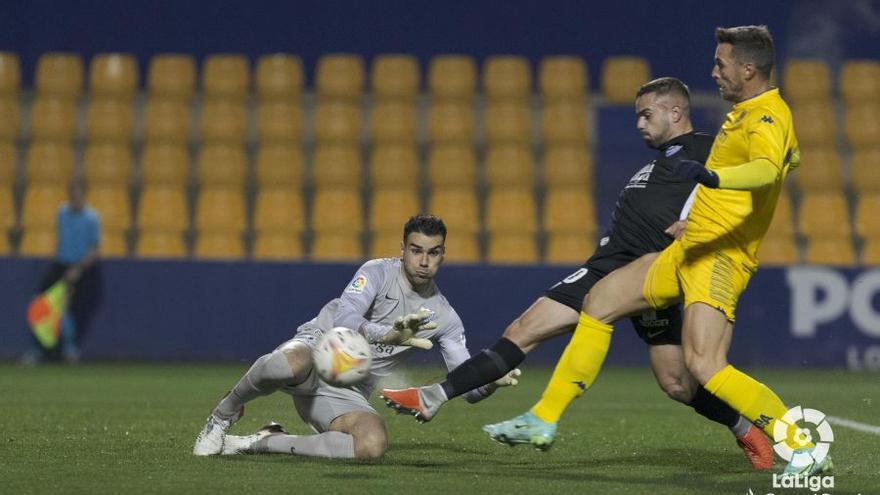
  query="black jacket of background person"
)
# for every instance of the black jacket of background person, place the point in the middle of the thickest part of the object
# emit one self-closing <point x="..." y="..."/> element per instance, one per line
<point x="654" y="197"/>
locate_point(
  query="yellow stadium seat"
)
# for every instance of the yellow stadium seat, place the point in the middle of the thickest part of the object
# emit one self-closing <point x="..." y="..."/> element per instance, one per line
<point x="510" y="165"/>
<point x="38" y="241"/>
<point x="452" y="165"/>
<point x="221" y="165"/>
<point x="450" y="122"/>
<point x="461" y="247"/>
<point x="5" y="245"/>
<point x="778" y="249"/>
<point x="337" y="165"/>
<point x="163" y="208"/>
<point x="569" y="210"/>
<point x="395" y="76"/>
<point x="160" y="244"/>
<point x="507" y="77"/>
<point x="867" y="219"/>
<point x="814" y="122"/>
<point x="165" y="163"/>
<point x="783" y="219"/>
<point x="390" y="208"/>
<point x="172" y="76"/>
<point x="569" y="248"/>
<point x="338" y="209"/>
<point x="565" y="122"/>
<point x="49" y="162"/>
<point x="109" y="120"/>
<point x="563" y="78"/>
<point x="340" y="75"/>
<point x="280" y="165"/>
<point x="452" y="77"/>
<point x="871" y="252"/>
<point x="508" y="121"/>
<point x="53" y="119"/>
<point x="860" y="82"/>
<point x="112" y="204"/>
<point x="337" y="246"/>
<point x="218" y="246"/>
<point x="223" y="120"/>
<point x="108" y="164"/>
<point x="458" y="208"/>
<point x="511" y="210"/>
<point x="820" y="170"/>
<point x="40" y="207"/>
<point x="113" y="75"/>
<point x="59" y="75"/>
<point x="9" y="124"/>
<point x="866" y="170"/>
<point x="279" y="210"/>
<point x="622" y="76"/>
<point x="166" y="120"/>
<point x="862" y="125"/>
<point x="394" y="165"/>
<point x="393" y="121"/>
<point x="10" y="74"/>
<point x="8" y="163"/>
<point x="807" y="79"/>
<point x="337" y="122"/>
<point x="221" y="209"/>
<point x="279" y="76"/>
<point x="7" y="209"/>
<point x="279" y="121"/>
<point x="512" y="249"/>
<point x="113" y="244"/>
<point x="824" y="214"/>
<point x="385" y="244"/>
<point x="226" y="75"/>
<point x="568" y="166"/>
<point x="836" y="251"/>
<point x="277" y="246"/>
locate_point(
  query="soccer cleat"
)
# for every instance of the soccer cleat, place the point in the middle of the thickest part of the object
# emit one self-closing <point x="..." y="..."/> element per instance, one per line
<point x="757" y="448"/>
<point x="525" y="428"/>
<point x="249" y="444"/>
<point x="798" y="468"/>
<point x="210" y="439"/>
<point x="413" y="401"/>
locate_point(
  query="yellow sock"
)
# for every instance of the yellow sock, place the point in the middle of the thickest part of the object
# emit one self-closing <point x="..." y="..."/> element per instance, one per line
<point x="751" y="398"/>
<point x="577" y="368"/>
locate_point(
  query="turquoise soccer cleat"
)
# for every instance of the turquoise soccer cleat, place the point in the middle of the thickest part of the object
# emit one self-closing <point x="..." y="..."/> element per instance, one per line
<point x="525" y="428"/>
<point x="802" y="464"/>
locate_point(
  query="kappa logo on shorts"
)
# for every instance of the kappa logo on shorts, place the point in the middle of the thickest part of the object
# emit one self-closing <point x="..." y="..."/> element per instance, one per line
<point x="357" y="285"/>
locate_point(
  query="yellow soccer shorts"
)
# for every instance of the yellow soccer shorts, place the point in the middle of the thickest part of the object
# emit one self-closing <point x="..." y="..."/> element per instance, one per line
<point x="715" y="277"/>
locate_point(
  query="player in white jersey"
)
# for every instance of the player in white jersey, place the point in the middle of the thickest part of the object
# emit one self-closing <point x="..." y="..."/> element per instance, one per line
<point x="382" y="292"/>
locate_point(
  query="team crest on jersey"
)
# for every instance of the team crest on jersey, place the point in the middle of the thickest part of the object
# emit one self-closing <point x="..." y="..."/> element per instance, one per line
<point x="432" y="315"/>
<point x="640" y="180"/>
<point x="673" y="150"/>
<point x="357" y="285"/>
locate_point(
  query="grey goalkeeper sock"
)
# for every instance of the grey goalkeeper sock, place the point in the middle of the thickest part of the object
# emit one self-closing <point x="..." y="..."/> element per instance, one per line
<point x="268" y="373"/>
<point x="333" y="444"/>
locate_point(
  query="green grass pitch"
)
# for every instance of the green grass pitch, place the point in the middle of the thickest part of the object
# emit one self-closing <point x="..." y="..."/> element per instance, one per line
<point x="130" y="429"/>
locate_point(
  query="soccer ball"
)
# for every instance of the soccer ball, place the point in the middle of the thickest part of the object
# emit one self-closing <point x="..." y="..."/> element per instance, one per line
<point x="342" y="357"/>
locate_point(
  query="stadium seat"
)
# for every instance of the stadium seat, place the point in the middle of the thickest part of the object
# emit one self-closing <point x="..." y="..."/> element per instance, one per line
<point x="835" y="251"/>
<point x="172" y="76"/>
<point x="113" y="75"/>
<point x="458" y="208"/>
<point x="9" y="124"/>
<point x="452" y="165"/>
<point x="337" y="209"/>
<point x="568" y="166"/>
<point x="59" y="75"/>
<point x="166" y="120"/>
<point x="393" y="121"/>
<point x="622" y="76"/>
<point x="53" y="119"/>
<point x="508" y="121"/>
<point x="38" y="241"/>
<point x="337" y="122"/>
<point x="279" y="210"/>
<point x="218" y="246"/>
<point x="385" y="244"/>
<point x="340" y="75"/>
<point x="160" y="244"/>
<point x="814" y="122"/>
<point x="226" y="76"/>
<point x="10" y="74"/>
<point x="279" y="76"/>
<point x="871" y="253"/>
<point x="5" y="245"/>
<point x="563" y="78"/>
<point x="824" y="214"/>
<point x="7" y="209"/>
<point x="569" y="248"/>
<point x="49" y="162"/>
<point x="860" y="82"/>
<point x="867" y="216"/>
<point x="778" y="249"/>
<point x="113" y="244"/>
<point x="280" y="165"/>
<point x="337" y="246"/>
<point x="820" y="170"/>
<point x="163" y="208"/>
<point x="450" y="121"/>
<point x="807" y="80"/>
<point x="461" y="247"/>
<point x="394" y="166"/>
<point x="507" y="77"/>
<point x="865" y="172"/>
<point x="337" y="165"/>
<point x="279" y="121"/>
<point x="221" y="165"/>
<point x="569" y="210"/>
<point x="512" y="249"/>
<point x="390" y="208"/>
<point x="782" y="223"/>
<point x="862" y="125"/>
<point x="276" y="246"/>
<point x="395" y="76"/>
<point x="510" y="165"/>
<point x="112" y="204"/>
<point x="109" y="120"/>
<point x="221" y="209"/>
<point x="452" y="77"/>
<point x="223" y="121"/>
<point x="565" y="122"/>
<point x="41" y="202"/>
<point x="165" y="163"/>
<point x="108" y="164"/>
<point x="511" y="210"/>
<point x="8" y="163"/>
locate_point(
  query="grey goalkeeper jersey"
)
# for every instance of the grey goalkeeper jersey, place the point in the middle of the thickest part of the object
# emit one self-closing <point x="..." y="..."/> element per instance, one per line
<point x="375" y="297"/>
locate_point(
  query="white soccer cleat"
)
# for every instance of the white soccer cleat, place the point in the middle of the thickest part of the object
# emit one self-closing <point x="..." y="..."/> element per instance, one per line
<point x="210" y="439"/>
<point x="248" y="444"/>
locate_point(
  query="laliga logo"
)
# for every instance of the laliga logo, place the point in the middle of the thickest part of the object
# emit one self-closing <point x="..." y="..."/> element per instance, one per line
<point x="788" y="436"/>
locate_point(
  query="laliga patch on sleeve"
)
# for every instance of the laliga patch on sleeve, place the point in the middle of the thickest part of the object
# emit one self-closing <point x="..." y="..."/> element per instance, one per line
<point x="357" y="285"/>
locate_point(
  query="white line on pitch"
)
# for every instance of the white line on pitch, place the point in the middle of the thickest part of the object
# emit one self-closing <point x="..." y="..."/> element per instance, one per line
<point x="855" y="425"/>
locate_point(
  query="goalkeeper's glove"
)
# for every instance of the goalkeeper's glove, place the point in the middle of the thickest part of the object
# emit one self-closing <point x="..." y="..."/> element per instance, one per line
<point x="508" y="380"/>
<point x="405" y="327"/>
<point x="695" y="171"/>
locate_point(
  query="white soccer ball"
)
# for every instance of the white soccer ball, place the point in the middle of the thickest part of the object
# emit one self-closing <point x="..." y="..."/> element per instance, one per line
<point x="342" y="357"/>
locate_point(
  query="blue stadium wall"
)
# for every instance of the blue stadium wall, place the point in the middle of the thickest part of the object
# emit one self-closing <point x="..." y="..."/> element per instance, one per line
<point x="184" y="311"/>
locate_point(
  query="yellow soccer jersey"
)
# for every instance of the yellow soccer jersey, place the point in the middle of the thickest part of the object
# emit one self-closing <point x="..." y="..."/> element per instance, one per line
<point x="759" y="127"/>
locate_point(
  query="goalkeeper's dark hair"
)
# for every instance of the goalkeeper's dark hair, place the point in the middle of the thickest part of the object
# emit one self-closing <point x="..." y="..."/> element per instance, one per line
<point x="424" y="224"/>
<point x="751" y="44"/>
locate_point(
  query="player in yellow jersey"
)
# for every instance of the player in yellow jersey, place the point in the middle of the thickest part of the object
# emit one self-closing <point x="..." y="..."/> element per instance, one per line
<point x="709" y="266"/>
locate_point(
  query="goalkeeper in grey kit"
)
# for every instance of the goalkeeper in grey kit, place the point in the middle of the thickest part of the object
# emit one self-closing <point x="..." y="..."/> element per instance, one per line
<point x="396" y="305"/>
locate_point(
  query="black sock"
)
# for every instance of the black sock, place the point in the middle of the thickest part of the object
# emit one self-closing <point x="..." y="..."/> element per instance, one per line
<point x="483" y="368"/>
<point x="714" y="408"/>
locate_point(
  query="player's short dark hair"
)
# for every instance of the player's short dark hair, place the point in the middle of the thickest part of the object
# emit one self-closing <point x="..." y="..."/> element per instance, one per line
<point x="665" y="85"/>
<point x="424" y="224"/>
<point x="751" y="44"/>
